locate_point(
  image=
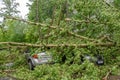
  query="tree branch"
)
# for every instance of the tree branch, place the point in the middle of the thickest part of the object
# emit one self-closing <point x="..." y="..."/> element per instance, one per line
<point x="106" y="77"/>
<point x="6" y="71"/>
<point x="86" y="21"/>
<point x="53" y="27"/>
<point x="57" y="45"/>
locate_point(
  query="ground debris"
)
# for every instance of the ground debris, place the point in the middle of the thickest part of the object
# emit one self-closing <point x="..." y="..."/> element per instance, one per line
<point x="7" y="78"/>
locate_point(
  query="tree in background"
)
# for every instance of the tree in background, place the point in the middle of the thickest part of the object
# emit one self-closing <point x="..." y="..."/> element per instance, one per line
<point x="93" y="19"/>
<point x="9" y="8"/>
<point x="11" y="30"/>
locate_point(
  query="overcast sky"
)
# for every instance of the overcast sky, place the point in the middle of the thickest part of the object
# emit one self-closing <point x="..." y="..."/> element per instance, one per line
<point x="22" y="8"/>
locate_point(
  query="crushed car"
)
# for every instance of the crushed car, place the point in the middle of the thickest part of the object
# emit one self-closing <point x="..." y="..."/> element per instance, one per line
<point x="38" y="59"/>
<point x="96" y="59"/>
<point x="46" y="58"/>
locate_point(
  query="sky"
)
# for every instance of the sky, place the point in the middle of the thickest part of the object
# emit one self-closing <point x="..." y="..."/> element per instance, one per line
<point x="22" y="7"/>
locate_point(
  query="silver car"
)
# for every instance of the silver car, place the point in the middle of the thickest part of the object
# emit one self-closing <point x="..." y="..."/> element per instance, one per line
<point x="37" y="59"/>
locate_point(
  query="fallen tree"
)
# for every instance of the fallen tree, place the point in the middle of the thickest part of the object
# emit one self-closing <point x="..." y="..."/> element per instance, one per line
<point x="53" y="27"/>
<point x="108" y="44"/>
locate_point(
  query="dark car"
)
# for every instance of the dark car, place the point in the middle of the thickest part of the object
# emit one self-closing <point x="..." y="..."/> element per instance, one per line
<point x="97" y="59"/>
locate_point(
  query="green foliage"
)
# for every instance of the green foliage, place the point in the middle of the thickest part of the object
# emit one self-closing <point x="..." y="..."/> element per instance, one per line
<point x="63" y="71"/>
<point x="117" y="4"/>
<point x="31" y="33"/>
<point x="93" y="19"/>
<point x="101" y="18"/>
<point x="13" y="31"/>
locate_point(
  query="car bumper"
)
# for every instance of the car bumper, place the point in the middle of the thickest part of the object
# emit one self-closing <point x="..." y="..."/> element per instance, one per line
<point x="39" y="62"/>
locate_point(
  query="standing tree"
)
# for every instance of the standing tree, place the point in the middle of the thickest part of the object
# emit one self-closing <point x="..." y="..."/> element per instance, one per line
<point x="9" y="8"/>
<point x="9" y="28"/>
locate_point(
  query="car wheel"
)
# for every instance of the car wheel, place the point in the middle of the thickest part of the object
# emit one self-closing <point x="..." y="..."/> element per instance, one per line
<point x="31" y="67"/>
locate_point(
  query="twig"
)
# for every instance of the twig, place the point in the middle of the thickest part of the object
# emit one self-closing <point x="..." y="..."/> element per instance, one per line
<point x="106" y="38"/>
<point x="6" y="71"/>
<point x="106" y="77"/>
<point x="86" y="21"/>
<point x="82" y="37"/>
